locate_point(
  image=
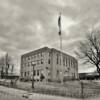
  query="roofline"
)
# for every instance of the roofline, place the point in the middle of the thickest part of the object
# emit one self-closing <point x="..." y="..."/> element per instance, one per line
<point x="46" y="48"/>
<point x="63" y="53"/>
<point x="35" y="51"/>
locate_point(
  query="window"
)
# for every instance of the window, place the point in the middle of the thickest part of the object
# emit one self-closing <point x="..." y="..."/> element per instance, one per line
<point x="60" y="60"/>
<point x="48" y="61"/>
<point x="37" y="62"/>
<point x="57" y="59"/>
<point x="68" y="69"/>
<point x="49" y="54"/>
<point x="41" y="61"/>
<point x="34" y="56"/>
<point x="22" y="74"/>
<point x="72" y="63"/>
<point x="37" y="55"/>
<point x="28" y="64"/>
<point x="28" y="58"/>
<point x="25" y="74"/>
<point x="63" y="61"/>
<point x="41" y="54"/>
<point x="57" y="73"/>
<point x="28" y="73"/>
<point x="66" y="62"/>
<point x="23" y="59"/>
<point x="38" y="72"/>
<point x="25" y="65"/>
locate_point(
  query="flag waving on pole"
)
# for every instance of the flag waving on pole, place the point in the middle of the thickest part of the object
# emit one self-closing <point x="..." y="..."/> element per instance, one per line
<point x="59" y="24"/>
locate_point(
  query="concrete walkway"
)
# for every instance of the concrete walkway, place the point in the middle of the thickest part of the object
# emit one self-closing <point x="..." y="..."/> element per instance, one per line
<point x="15" y="94"/>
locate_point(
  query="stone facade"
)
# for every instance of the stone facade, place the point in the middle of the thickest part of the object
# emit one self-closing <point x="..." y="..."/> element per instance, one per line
<point x="50" y="63"/>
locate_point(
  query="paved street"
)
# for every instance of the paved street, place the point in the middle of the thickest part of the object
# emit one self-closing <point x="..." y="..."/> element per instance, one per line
<point x="15" y="94"/>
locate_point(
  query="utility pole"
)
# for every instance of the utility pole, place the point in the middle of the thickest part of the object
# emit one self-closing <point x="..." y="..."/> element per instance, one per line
<point x="33" y="65"/>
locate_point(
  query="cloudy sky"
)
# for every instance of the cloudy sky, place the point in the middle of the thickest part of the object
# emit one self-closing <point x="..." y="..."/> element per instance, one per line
<point x="26" y="25"/>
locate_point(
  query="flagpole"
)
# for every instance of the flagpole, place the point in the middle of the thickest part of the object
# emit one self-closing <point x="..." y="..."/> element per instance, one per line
<point x="61" y="58"/>
<point x="60" y="36"/>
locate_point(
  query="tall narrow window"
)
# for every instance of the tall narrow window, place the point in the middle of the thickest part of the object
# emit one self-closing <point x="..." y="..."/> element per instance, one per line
<point x="28" y="73"/>
<point x="25" y="74"/>
<point x="35" y="56"/>
<point x="48" y="61"/>
<point x="37" y="62"/>
<point x="49" y="54"/>
<point x="22" y="74"/>
<point x="57" y="73"/>
<point x="28" y="58"/>
<point x="60" y="60"/>
<point x="41" y="61"/>
<point x="63" y="61"/>
<point x="28" y="64"/>
<point x="38" y="72"/>
<point x="41" y="54"/>
<point x="57" y="59"/>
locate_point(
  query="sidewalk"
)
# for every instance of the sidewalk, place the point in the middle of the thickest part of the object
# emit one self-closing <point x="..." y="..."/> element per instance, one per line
<point x="11" y="98"/>
<point x="52" y="89"/>
<point x="15" y="94"/>
<point x="8" y="94"/>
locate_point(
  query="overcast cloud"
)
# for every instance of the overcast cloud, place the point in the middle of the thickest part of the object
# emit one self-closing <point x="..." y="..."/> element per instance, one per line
<point x="26" y="25"/>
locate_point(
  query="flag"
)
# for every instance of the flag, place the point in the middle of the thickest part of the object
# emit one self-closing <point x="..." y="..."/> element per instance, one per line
<point x="59" y="24"/>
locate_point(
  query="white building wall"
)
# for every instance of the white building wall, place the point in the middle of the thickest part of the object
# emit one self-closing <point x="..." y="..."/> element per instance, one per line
<point x="51" y="71"/>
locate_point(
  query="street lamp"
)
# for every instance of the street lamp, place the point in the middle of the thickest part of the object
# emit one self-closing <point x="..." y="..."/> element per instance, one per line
<point x="33" y="64"/>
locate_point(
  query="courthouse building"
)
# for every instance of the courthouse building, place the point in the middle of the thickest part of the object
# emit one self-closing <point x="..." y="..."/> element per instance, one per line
<point x="50" y="64"/>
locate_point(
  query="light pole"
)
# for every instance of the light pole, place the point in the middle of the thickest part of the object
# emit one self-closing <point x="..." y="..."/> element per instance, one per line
<point x="33" y="64"/>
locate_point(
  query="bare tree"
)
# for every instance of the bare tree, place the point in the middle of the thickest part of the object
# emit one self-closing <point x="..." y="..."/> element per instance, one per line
<point x="2" y="66"/>
<point x="89" y="50"/>
<point x="5" y="63"/>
